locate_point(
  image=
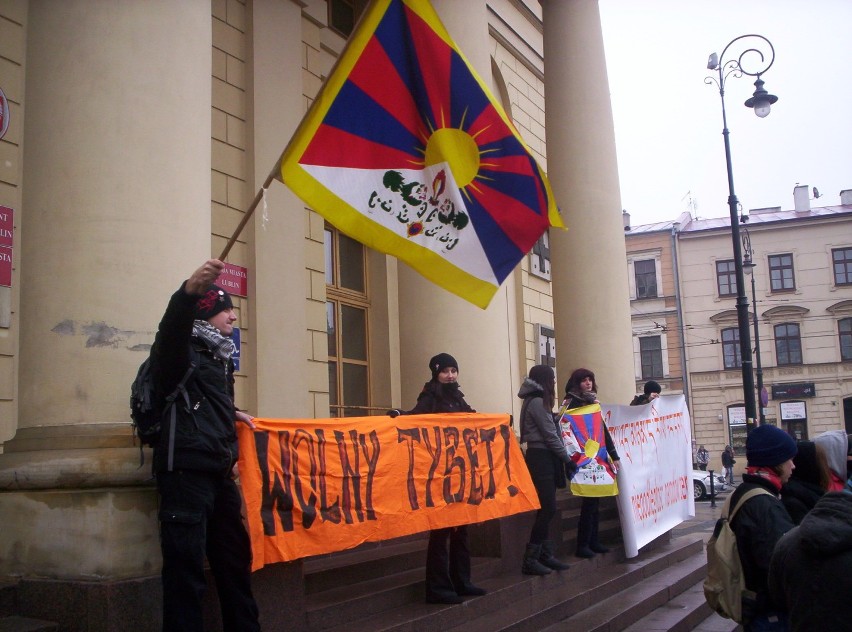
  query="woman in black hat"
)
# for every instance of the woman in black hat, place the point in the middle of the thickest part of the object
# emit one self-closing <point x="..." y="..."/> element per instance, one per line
<point x="547" y="460"/>
<point x="447" y="571"/>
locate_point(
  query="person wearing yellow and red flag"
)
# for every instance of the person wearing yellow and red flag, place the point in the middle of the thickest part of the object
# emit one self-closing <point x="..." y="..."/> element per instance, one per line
<point x="581" y="390"/>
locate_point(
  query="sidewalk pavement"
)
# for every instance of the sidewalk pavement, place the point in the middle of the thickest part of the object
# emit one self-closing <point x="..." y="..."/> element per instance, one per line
<point x="705" y="516"/>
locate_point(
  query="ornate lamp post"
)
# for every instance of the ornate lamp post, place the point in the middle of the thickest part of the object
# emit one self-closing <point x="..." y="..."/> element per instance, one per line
<point x="757" y="50"/>
<point x="748" y="267"/>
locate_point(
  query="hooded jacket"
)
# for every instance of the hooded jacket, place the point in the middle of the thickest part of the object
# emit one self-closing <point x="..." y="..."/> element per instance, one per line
<point x="538" y="428"/>
<point x="811" y="571"/>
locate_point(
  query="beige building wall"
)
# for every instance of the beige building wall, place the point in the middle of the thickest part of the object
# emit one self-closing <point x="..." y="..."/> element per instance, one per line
<point x="13" y="22"/>
<point x="656" y="316"/>
<point x="816" y="305"/>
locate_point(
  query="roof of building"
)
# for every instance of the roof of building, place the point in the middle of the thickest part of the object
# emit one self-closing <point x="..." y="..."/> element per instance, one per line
<point x="754" y="218"/>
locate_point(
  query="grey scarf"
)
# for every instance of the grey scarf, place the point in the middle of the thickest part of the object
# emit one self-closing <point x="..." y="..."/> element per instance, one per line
<point x="222" y="347"/>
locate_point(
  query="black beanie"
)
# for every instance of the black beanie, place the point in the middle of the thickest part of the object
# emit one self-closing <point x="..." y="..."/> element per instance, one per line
<point x="543" y="375"/>
<point x="652" y="387"/>
<point x="440" y="362"/>
<point x="769" y="446"/>
<point x="213" y="301"/>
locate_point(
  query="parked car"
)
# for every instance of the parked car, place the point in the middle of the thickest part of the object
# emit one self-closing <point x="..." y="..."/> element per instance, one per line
<point x="701" y="484"/>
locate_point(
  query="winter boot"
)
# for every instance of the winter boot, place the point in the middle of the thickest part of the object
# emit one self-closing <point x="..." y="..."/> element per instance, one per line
<point x="549" y="559"/>
<point x="531" y="565"/>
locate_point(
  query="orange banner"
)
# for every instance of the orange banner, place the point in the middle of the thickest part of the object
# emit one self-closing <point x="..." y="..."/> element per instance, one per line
<point x="314" y="486"/>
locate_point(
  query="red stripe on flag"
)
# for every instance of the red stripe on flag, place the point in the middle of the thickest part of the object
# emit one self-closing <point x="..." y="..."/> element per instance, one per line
<point x="433" y="58"/>
<point x="488" y="127"/>
<point x="333" y="147"/>
<point x="377" y="76"/>
<point x="521" y="224"/>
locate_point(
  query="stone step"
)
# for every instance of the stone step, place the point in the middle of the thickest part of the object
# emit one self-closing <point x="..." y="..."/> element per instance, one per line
<point x="683" y="613"/>
<point x="636" y="600"/>
<point x="716" y="623"/>
<point x="515" y="601"/>
<point x="23" y="624"/>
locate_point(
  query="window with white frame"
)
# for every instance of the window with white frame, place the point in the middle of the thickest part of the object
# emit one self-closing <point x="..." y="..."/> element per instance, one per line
<point x="731" y="355"/>
<point x="788" y="344"/>
<point x="651" y="356"/>
<point x="645" y="272"/>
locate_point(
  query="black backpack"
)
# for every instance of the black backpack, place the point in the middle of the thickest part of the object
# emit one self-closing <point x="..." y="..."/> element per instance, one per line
<point x="148" y="408"/>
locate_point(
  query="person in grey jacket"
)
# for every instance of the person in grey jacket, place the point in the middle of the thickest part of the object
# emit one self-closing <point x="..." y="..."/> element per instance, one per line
<point x="547" y="460"/>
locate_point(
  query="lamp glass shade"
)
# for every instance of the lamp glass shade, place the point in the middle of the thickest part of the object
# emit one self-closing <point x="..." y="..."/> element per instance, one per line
<point x="762" y="107"/>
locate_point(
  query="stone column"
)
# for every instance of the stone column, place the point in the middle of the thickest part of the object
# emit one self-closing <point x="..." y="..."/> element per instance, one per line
<point x="116" y="213"/>
<point x="433" y="320"/>
<point x="589" y="261"/>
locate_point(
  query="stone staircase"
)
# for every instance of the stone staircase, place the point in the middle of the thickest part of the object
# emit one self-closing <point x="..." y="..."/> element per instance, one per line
<point x="379" y="587"/>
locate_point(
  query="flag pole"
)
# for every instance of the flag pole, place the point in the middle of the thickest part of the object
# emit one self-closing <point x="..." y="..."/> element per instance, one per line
<point x="250" y="210"/>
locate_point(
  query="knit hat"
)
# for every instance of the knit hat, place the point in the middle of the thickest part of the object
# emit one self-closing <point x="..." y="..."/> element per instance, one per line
<point x="652" y="387"/>
<point x="213" y="301"/>
<point x="769" y="446"/>
<point x="440" y="362"/>
<point x="543" y="375"/>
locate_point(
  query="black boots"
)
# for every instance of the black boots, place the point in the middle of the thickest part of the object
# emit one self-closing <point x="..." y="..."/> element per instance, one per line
<point x="549" y="559"/>
<point x="532" y="565"/>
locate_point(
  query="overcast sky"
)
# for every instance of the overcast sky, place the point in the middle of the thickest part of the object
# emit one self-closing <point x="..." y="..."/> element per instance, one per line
<point x="668" y="123"/>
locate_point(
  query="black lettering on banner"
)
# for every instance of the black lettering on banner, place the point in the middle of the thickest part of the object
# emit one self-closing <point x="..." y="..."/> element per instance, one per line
<point x="328" y="513"/>
<point x="372" y="462"/>
<point x="410" y="435"/>
<point x="278" y="496"/>
<point x="435" y="453"/>
<point x="451" y="441"/>
<point x="504" y="432"/>
<point x="309" y="509"/>
<point x="487" y="435"/>
<point x="351" y="477"/>
<point x="469" y="436"/>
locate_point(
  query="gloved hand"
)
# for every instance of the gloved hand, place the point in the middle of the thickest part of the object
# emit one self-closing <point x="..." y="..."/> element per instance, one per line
<point x="570" y="469"/>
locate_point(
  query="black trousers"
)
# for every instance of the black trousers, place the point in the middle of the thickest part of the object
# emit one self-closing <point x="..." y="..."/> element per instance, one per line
<point x="587" y="528"/>
<point x="540" y="463"/>
<point x="447" y="570"/>
<point x="200" y="515"/>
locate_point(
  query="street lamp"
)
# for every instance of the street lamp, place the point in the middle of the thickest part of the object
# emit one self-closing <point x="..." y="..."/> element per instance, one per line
<point x="761" y="101"/>
<point x="748" y="267"/>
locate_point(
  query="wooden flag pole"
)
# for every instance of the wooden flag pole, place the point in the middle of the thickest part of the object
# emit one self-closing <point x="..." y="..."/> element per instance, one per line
<point x="250" y="210"/>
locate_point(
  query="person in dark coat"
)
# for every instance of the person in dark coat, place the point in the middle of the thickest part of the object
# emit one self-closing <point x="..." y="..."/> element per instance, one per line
<point x="650" y="392"/>
<point x="547" y="460"/>
<point x="447" y="570"/>
<point x="761" y="522"/>
<point x="728" y="461"/>
<point x="581" y="390"/>
<point x="200" y="504"/>
<point x="808" y="482"/>
<point x="810" y="574"/>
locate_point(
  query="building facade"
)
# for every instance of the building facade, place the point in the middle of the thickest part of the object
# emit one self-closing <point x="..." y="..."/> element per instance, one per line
<point x="801" y="292"/>
<point x="138" y="138"/>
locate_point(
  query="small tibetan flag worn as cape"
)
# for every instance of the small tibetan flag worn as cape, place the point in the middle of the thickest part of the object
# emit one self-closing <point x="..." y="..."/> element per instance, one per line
<point x="405" y="150"/>
<point x="583" y="434"/>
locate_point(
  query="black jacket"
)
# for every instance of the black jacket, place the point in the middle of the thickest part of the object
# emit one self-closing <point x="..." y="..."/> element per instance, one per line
<point x="811" y="571"/>
<point x="205" y="436"/>
<point x="758" y="525"/>
<point x="440" y="398"/>
<point x="799" y="497"/>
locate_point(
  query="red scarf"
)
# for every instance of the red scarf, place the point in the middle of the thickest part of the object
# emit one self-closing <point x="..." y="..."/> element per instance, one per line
<point x="767" y="474"/>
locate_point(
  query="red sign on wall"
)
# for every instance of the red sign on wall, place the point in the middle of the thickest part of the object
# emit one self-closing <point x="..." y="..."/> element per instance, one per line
<point x="234" y="279"/>
<point x="6" y="233"/>
<point x="5" y="267"/>
<point x="6" y="226"/>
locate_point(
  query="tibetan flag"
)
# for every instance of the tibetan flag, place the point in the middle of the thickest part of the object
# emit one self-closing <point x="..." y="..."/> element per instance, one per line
<point x="584" y="435"/>
<point x="406" y="151"/>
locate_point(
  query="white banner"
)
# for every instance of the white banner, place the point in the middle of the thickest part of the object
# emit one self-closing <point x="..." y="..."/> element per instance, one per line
<point x="655" y="480"/>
